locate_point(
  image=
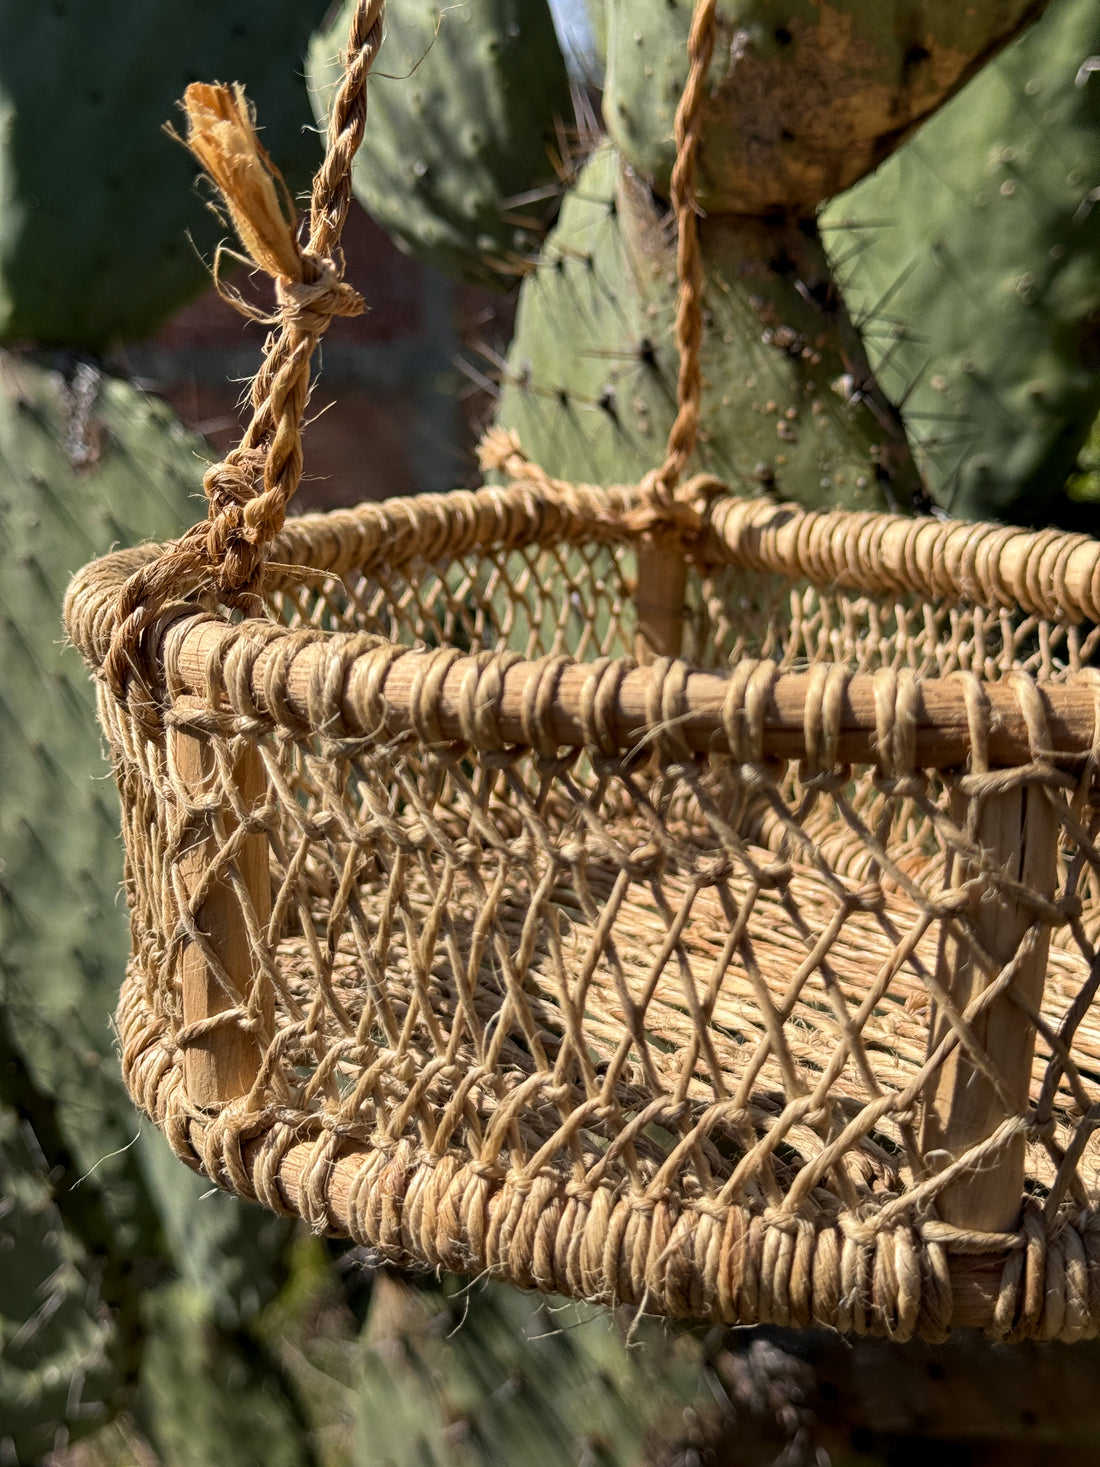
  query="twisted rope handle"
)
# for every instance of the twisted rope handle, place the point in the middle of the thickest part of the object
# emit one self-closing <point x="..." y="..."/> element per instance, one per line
<point x="689" y="259"/>
<point x="248" y="491"/>
<point x="500" y="449"/>
<point x="668" y="522"/>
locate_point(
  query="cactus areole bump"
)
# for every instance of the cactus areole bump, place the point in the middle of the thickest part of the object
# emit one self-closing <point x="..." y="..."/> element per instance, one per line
<point x="633" y="891"/>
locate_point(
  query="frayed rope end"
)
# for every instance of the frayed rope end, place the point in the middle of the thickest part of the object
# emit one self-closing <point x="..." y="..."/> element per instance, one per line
<point x="221" y="133"/>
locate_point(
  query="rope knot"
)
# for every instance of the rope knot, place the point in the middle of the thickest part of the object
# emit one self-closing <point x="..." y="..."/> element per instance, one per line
<point x="310" y="304"/>
<point x="235" y="552"/>
<point x="232" y="482"/>
<point x="670" y="513"/>
<point x="249" y="490"/>
<point x="240" y="523"/>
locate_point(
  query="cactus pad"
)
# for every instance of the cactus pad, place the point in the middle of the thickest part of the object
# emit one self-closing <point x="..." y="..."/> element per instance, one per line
<point x="96" y="204"/>
<point x="977" y="270"/>
<point x="458" y="159"/>
<point x="803" y="97"/>
<point x="85" y="460"/>
<point x="789" y="401"/>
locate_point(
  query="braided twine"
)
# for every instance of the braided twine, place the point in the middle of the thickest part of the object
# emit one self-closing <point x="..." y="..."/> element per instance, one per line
<point x="755" y="986"/>
<point x="248" y="491"/>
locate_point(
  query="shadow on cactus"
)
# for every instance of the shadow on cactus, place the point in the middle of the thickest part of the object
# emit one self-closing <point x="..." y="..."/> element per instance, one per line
<point x="96" y="203"/>
<point x="972" y="258"/>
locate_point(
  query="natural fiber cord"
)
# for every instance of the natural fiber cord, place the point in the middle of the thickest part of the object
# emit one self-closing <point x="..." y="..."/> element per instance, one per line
<point x="755" y="984"/>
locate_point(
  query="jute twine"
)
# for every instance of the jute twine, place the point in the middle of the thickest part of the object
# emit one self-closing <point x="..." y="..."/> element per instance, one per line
<point x="248" y="491"/>
<point x="689" y="258"/>
<point x="656" y="984"/>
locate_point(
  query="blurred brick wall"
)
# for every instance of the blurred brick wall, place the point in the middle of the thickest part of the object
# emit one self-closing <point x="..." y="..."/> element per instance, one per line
<point x="392" y="412"/>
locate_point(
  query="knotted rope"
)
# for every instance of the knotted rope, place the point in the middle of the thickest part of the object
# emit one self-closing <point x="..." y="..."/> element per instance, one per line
<point x="663" y="509"/>
<point x="248" y="491"/>
<point x="689" y="258"/>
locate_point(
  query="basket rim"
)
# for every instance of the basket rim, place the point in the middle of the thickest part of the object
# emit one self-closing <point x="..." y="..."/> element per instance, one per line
<point x="1050" y="573"/>
<point x="355" y="685"/>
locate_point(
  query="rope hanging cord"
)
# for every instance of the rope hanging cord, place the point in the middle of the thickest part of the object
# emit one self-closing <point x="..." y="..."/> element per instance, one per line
<point x="667" y="522"/>
<point x="689" y="259"/>
<point x="249" y="490"/>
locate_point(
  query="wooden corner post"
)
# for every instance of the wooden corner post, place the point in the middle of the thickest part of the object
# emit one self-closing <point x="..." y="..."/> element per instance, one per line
<point x="659" y="601"/>
<point x="222" y="1063"/>
<point x="1017" y="830"/>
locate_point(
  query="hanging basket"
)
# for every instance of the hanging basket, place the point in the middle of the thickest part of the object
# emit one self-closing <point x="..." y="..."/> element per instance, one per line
<point x="753" y="984"/>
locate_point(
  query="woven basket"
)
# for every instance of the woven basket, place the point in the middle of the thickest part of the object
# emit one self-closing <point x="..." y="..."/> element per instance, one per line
<point x="752" y="985"/>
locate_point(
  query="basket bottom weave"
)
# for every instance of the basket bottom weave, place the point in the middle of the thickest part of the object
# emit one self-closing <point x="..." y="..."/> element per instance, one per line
<point x="488" y="1115"/>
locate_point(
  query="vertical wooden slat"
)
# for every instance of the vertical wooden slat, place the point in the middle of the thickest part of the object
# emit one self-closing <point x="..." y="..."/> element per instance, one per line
<point x="659" y="602"/>
<point x="1019" y="831"/>
<point x="222" y="1064"/>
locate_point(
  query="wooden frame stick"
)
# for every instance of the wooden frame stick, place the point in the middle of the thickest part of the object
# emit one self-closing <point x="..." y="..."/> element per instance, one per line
<point x="1019" y="831"/>
<point x="221" y="1064"/>
<point x="943" y="739"/>
<point x="659" y="602"/>
<point x="975" y="1279"/>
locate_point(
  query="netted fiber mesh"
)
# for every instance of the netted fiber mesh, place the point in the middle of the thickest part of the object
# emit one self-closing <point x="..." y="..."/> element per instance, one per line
<point x="617" y="1018"/>
<point x="751" y="985"/>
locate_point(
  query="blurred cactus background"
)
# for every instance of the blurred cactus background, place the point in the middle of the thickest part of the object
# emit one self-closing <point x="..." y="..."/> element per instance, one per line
<point x="901" y="233"/>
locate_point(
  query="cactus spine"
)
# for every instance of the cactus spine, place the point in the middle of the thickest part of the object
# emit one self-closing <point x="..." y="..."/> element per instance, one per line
<point x="85" y="460"/>
<point x="986" y="262"/>
<point x="803" y="98"/>
<point x="790" y="401"/>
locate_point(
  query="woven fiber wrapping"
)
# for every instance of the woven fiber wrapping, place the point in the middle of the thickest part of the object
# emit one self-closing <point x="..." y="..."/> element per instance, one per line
<point x="752" y="984"/>
<point x="568" y="971"/>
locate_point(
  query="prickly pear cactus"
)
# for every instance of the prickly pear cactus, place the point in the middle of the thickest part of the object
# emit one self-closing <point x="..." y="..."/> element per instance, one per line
<point x="789" y="403"/>
<point x="970" y="274"/>
<point x="95" y="202"/>
<point x="466" y="108"/>
<point x="1084" y="485"/>
<point x="446" y="1376"/>
<point x="85" y="461"/>
<point x="803" y="98"/>
<point x="70" y="1329"/>
<point x="211" y="1394"/>
<point x="977" y="271"/>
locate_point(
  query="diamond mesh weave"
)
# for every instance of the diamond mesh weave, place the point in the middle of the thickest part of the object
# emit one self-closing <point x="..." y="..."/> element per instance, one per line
<point x="618" y="1009"/>
<point x="754" y="984"/>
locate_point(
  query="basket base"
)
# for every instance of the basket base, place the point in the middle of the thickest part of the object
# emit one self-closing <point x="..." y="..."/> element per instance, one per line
<point x="735" y="1265"/>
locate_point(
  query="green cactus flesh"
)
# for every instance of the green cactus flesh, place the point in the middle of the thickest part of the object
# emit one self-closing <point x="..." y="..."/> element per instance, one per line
<point x="788" y="402"/>
<point x="69" y="1320"/>
<point x="803" y="97"/>
<point x="976" y="269"/>
<point x="465" y="108"/>
<point x="487" y="1376"/>
<point x="96" y="203"/>
<point x="87" y="462"/>
<point x="214" y="1396"/>
<point x="1084" y="483"/>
